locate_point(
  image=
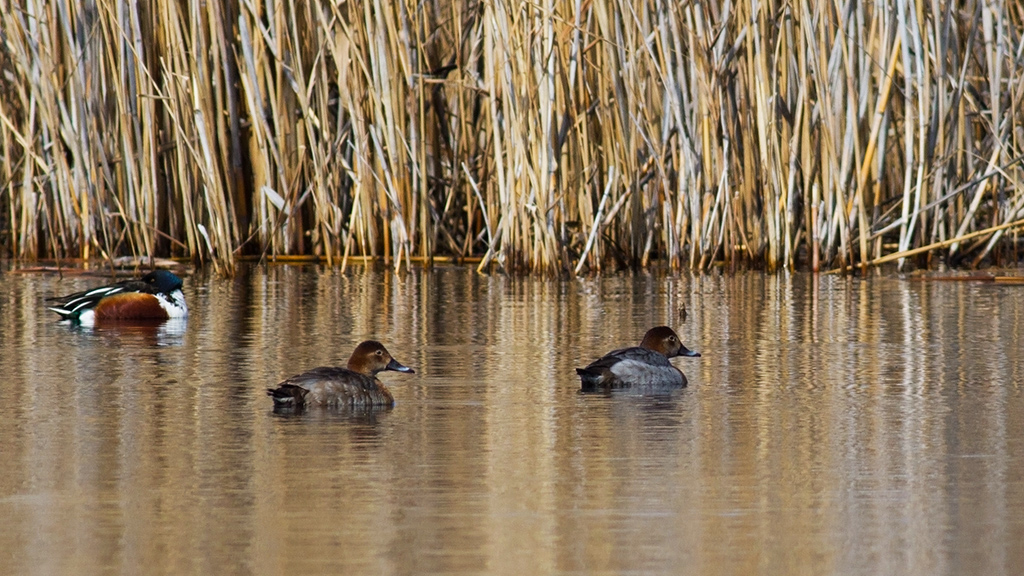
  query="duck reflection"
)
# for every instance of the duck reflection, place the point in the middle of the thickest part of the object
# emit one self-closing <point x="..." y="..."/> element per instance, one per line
<point x="363" y="414"/>
<point x="142" y="333"/>
<point x="308" y="431"/>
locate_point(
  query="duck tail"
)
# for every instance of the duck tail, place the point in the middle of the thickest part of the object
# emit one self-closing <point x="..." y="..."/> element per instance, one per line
<point x="288" y="395"/>
<point x="64" y="314"/>
<point x="589" y="379"/>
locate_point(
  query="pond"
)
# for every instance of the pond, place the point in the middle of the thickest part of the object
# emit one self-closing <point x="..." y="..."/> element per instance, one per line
<point x="831" y="426"/>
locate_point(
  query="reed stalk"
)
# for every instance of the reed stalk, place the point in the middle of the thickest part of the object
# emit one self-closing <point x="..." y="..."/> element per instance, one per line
<point x="551" y="136"/>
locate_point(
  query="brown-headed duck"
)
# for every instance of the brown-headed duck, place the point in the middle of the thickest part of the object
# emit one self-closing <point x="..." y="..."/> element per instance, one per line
<point x="155" y="296"/>
<point x="355" y="386"/>
<point x="646" y="365"/>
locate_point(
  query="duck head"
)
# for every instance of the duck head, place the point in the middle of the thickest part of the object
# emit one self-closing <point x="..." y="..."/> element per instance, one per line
<point x="370" y="357"/>
<point x="163" y="281"/>
<point x="664" y="340"/>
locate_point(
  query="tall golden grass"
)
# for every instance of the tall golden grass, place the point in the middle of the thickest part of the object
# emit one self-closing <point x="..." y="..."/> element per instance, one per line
<point x="564" y="135"/>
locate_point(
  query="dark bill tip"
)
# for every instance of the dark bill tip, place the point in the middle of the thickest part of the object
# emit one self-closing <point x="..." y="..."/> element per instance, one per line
<point x="394" y="365"/>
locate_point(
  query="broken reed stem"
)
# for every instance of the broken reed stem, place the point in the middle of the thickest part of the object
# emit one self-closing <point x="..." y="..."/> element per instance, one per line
<point x="554" y="136"/>
<point x="942" y="244"/>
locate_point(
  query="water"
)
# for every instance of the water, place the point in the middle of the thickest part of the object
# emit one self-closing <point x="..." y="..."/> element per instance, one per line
<point x="832" y="426"/>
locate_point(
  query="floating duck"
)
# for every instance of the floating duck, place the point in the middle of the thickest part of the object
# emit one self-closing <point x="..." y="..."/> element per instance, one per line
<point x="155" y="296"/>
<point x="354" y="386"/>
<point x="646" y="365"/>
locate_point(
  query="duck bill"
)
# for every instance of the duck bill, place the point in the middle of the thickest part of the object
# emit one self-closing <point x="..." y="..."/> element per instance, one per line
<point x="394" y="365"/>
<point x="684" y="351"/>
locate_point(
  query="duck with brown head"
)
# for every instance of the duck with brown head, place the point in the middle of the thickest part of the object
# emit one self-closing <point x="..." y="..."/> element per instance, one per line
<point x="646" y="365"/>
<point x="355" y="386"/>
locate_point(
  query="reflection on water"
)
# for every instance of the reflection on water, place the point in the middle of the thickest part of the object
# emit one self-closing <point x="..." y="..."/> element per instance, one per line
<point x="831" y="426"/>
<point x="134" y="333"/>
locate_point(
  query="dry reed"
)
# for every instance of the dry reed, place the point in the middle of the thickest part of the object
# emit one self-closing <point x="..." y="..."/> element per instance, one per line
<point x="555" y="135"/>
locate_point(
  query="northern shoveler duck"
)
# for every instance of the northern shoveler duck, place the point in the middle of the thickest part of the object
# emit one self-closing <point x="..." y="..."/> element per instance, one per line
<point x="155" y="296"/>
<point x="354" y="386"/>
<point x="646" y="365"/>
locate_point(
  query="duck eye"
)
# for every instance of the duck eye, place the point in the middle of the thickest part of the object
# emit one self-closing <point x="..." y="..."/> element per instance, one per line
<point x="379" y="353"/>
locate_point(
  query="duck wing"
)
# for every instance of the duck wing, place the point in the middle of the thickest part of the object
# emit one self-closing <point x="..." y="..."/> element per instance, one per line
<point x="72" y="305"/>
<point x="636" y="354"/>
<point x="602" y="373"/>
<point x="328" y="385"/>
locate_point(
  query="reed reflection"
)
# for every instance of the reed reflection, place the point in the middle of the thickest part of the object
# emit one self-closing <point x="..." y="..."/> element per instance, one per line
<point x="831" y="424"/>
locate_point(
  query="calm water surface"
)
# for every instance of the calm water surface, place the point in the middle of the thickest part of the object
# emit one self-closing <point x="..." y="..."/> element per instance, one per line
<point x="832" y="426"/>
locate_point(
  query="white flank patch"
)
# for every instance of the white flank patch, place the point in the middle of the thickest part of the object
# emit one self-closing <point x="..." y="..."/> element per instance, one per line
<point x="87" y="318"/>
<point x="173" y="304"/>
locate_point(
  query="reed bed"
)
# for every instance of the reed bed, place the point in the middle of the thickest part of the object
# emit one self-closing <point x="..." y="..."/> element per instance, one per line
<point x="551" y="136"/>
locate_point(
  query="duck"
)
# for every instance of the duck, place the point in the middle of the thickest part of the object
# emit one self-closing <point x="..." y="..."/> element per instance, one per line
<point x="155" y="296"/>
<point x="646" y="365"/>
<point x="354" y="386"/>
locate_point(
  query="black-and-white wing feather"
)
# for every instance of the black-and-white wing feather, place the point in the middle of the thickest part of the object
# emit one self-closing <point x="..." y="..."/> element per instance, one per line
<point x="72" y="305"/>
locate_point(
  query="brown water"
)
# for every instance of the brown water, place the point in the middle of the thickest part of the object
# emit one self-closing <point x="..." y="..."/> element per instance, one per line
<point x="832" y="426"/>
